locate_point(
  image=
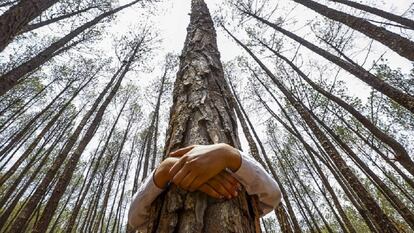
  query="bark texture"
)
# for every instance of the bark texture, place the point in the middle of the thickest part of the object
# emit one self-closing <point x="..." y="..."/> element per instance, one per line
<point x="201" y="114"/>
<point x="18" y="16"/>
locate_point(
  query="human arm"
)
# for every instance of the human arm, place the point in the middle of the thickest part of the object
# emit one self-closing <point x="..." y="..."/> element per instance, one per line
<point x="201" y="162"/>
<point x="220" y="186"/>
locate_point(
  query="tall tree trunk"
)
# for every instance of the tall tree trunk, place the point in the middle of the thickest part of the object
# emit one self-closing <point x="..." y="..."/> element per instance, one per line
<point x="86" y="187"/>
<point x="401" y="208"/>
<point x="35" y="26"/>
<point x="18" y="16"/>
<point x="294" y="131"/>
<point x="399" y="44"/>
<point x="58" y="161"/>
<point x="69" y="169"/>
<point x="6" y="214"/>
<point x="11" y="78"/>
<point x="376" y="11"/>
<point x="201" y="114"/>
<point x="280" y="212"/>
<point x="25" y="129"/>
<point x="379" y="216"/>
<point x="45" y="130"/>
<point x="404" y="99"/>
<point x="401" y="154"/>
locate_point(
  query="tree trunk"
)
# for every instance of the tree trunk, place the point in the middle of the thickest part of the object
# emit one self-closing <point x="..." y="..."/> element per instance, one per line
<point x="401" y="154"/>
<point x="35" y="26"/>
<point x="399" y="44"/>
<point x="405" y="100"/>
<point x="201" y="114"/>
<point x="39" y="137"/>
<point x="69" y="169"/>
<point x="280" y="212"/>
<point x="57" y="163"/>
<point x="379" y="216"/>
<point x="18" y="16"/>
<point x="384" y="14"/>
<point x="11" y="78"/>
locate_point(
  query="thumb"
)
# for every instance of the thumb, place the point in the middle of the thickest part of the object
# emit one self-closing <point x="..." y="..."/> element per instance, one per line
<point x="181" y="152"/>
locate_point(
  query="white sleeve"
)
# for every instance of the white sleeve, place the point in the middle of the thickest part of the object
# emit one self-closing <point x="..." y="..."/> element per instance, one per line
<point x="139" y="208"/>
<point x="257" y="181"/>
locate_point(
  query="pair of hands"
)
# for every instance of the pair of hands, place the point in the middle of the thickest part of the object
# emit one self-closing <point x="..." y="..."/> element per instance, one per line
<point x="203" y="168"/>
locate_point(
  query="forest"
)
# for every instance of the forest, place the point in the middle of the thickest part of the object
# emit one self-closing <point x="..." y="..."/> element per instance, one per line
<point x="94" y="94"/>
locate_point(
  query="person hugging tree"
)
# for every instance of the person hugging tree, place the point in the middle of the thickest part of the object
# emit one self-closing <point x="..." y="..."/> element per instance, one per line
<point x="219" y="170"/>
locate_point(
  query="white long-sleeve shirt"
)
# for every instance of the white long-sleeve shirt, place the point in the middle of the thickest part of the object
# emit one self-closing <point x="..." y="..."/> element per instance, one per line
<point x="251" y="175"/>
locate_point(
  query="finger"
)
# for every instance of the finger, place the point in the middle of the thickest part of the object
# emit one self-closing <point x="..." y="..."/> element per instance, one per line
<point x="181" y="152"/>
<point x="200" y="180"/>
<point x="177" y="166"/>
<point x="219" y="187"/>
<point x="227" y="185"/>
<point x="207" y="189"/>
<point x="235" y="184"/>
<point x="177" y="179"/>
<point x="188" y="179"/>
<point x="230" y="178"/>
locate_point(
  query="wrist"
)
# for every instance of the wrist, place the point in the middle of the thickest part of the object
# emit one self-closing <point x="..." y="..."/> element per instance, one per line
<point x="233" y="158"/>
<point x="161" y="176"/>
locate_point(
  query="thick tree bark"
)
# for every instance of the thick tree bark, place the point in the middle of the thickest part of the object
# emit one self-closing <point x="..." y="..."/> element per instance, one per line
<point x="11" y="78"/>
<point x="404" y="99"/>
<point x="201" y="114"/>
<point x="376" y="11"/>
<point x="18" y="16"/>
<point x="379" y="216"/>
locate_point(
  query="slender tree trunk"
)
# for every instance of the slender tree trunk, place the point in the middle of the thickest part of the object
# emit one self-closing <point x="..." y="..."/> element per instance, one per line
<point x="243" y="117"/>
<point x="57" y="163"/>
<point x="401" y="154"/>
<point x="101" y="214"/>
<point x="35" y="26"/>
<point x="69" y="169"/>
<point x="404" y="99"/>
<point x="18" y="16"/>
<point x="45" y="130"/>
<point x="23" y="108"/>
<point x="6" y="214"/>
<point x="399" y="206"/>
<point x="376" y="11"/>
<point x="407" y="179"/>
<point x="11" y="78"/>
<point x="380" y="217"/>
<point x="63" y="208"/>
<point x="399" y="44"/>
<point x="25" y="129"/>
<point x="201" y="114"/>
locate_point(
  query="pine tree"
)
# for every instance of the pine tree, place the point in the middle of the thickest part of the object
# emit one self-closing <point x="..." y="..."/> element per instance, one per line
<point x="201" y="114"/>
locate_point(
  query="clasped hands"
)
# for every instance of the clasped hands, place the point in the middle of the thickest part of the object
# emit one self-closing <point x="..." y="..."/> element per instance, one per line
<point x="202" y="168"/>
